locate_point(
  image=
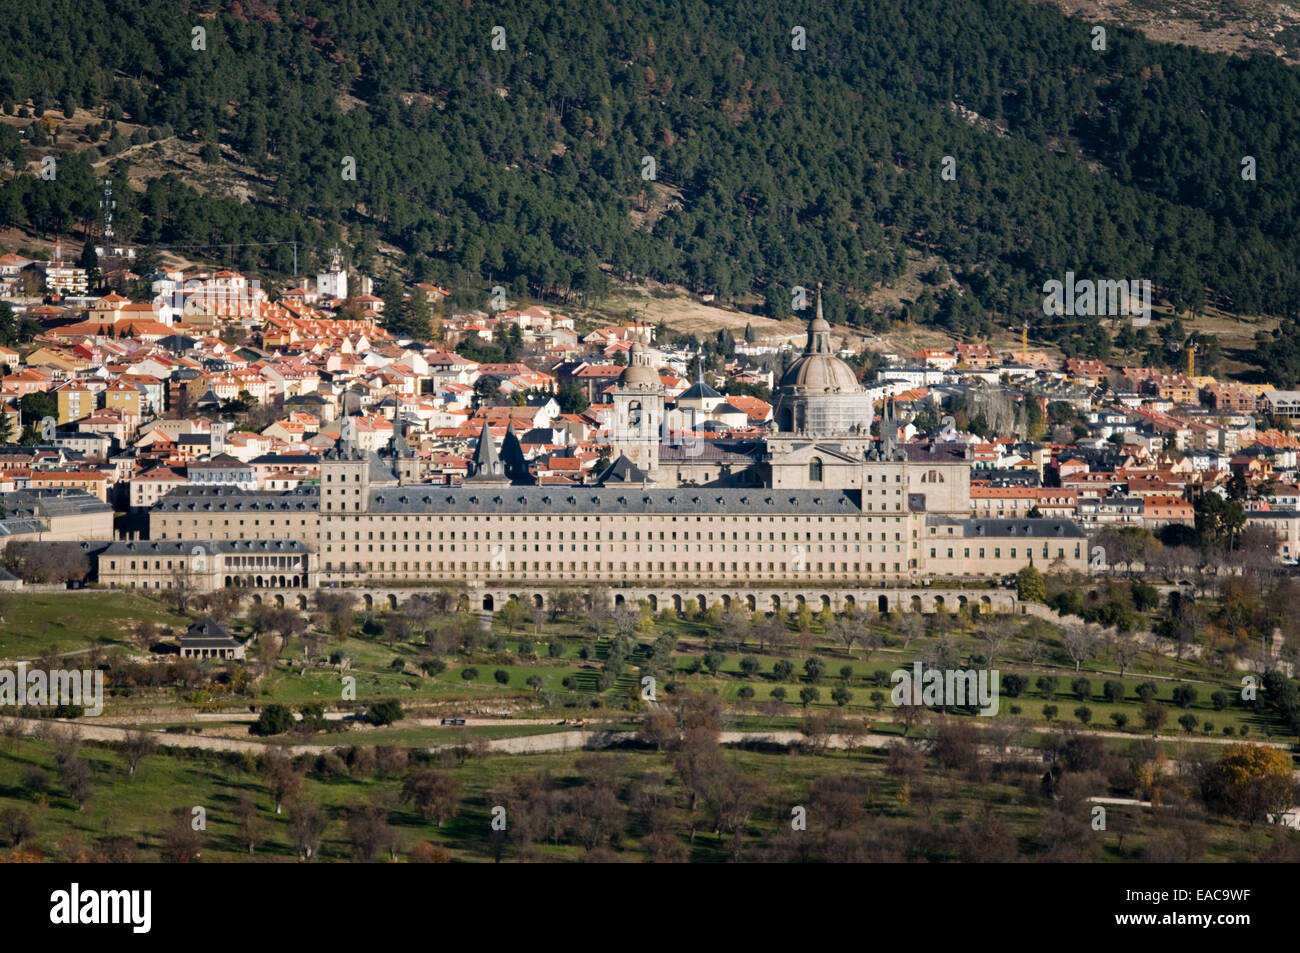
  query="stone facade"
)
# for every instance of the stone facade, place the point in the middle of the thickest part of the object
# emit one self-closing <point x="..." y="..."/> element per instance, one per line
<point x="822" y="504"/>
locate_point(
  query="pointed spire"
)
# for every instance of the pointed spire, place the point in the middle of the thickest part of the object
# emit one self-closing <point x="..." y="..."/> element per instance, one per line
<point x="819" y="332"/>
<point x="486" y="464"/>
<point x="512" y="457"/>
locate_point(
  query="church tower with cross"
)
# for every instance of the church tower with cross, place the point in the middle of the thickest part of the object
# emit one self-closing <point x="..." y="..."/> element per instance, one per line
<point x="638" y="413"/>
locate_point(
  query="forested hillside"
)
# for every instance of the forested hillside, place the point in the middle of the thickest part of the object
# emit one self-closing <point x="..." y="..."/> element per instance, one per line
<point x="773" y="166"/>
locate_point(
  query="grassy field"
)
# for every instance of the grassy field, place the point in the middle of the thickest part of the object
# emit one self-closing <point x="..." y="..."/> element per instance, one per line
<point x="567" y="685"/>
<point x="75" y="621"/>
<point x="1006" y="808"/>
<point x="928" y="811"/>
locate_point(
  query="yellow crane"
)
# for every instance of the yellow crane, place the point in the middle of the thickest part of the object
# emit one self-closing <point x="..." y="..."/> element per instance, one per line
<point x="1024" y="334"/>
<point x="1191" y="359"/>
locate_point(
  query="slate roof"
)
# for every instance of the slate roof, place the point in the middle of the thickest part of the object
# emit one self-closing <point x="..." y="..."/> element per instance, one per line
<point x="698" y="391"/>
<point x="185" y="547"/>
<point x="623" y="470"/>
<point x="1027" y="528"/>
<point x="208" y="634"/>
<point x="536" y="500"/>
<point x="222" y="461"/>
<point x="233" y="499"/>
<point x="485" y="466"/>
<point x="287" y="459"/>
<point x="20" y="527"/>
<point x="711" y="450"/>
<point x="36" y="504"/>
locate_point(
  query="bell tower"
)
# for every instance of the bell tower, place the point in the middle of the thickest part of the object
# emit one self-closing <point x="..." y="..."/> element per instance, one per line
<point x="638" y="412"/>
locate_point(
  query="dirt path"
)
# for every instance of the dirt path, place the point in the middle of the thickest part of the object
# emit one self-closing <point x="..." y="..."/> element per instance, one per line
<point x="530" y="744"/>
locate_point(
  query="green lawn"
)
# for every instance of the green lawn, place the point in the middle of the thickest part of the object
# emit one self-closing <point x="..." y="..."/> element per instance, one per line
<point x="69" y="621"/>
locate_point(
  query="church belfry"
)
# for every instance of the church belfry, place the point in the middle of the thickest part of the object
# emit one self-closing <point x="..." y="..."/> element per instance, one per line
<point x="638" y="412"/>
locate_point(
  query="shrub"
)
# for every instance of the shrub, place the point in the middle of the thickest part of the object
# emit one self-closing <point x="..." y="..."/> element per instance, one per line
<point x="1146" y="691"/>
<point x="1082" y="688"/>
<point x="273" y="720"/>
<point x="1153" y="716"/>
<point x="1083" y="713"/>
<point x="502" y="676"/>
<point x="384" y="712"/>
<point x="469" y="674"/>
<point x="1184" y="696"/>
<point x="1188" y="722"/>
<point x="1046" y="684"/>
<point x="1120" y="719"/>
<point x="1013" y="685"/>
<point x="1220" y="700"/>
<point x="1113" y="691"/>
<point x="1049" y="712"/>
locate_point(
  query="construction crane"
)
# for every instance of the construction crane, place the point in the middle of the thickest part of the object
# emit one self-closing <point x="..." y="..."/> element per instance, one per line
<point x="1191" y="359"/>
<point x="1024" y="334"/>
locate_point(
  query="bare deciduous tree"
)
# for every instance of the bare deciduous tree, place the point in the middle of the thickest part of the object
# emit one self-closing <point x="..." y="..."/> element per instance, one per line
<point x="994" y="635"/>
<point x="281" y="775"/>
<point x="435" y="794"/>
<point x="369" y="831"/>
<point x="138" y="746"/>
<point x="1127" y="646"/>
<point x="181" y="843"/>
<point x="911" y="626"/>
<point x="306" y="825"/>
<point x="251" y="828"/>
<point x="1080" y="640"/>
